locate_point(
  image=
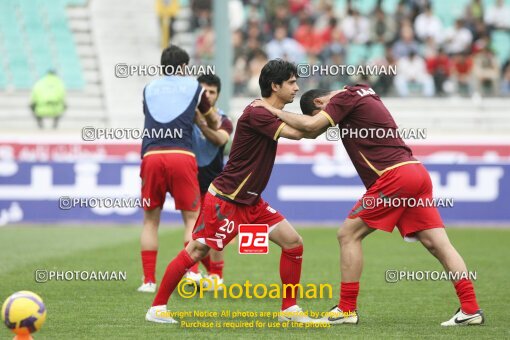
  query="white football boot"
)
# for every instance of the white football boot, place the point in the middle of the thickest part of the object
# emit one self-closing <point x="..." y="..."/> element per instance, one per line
<point x="216" y="282"/>
<point x="148" y="287"/>
<point x="336" y="317"/>
<point x="195" y="277"/>
<point x="295" y="314"/>
<point x="159" y="314"/>
<point x="462" y="319"/>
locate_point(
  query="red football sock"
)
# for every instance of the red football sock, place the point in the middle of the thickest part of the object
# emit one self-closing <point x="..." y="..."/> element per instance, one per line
<point x="216" y="268"/>
<point x="348" y="296"/>
<point x="467" y="297"/>
<point x="194" y="268"/>
<point x="173" y="275"/>
<point x="290" y="273"/>
<point x="149" y="265"/>
<point x="206" y="261"/>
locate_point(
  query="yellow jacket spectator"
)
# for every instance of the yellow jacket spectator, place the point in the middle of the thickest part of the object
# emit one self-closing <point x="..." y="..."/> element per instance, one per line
<point x="166" y="11"/>
<point x="48" y="98"/>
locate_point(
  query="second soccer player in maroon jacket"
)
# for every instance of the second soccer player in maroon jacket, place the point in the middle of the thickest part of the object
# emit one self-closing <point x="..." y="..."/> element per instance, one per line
<point x="393" y="177"/>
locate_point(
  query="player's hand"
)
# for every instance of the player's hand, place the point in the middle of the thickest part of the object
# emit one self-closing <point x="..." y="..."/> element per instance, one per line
<point x="199" y="119"/>
<point x="261" y="103"/>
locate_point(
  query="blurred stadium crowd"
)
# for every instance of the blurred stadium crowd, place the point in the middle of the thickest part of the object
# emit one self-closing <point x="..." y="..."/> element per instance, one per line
<point x="441" y="48"/>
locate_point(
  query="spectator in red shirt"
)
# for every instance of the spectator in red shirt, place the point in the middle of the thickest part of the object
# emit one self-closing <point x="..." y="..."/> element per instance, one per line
<point x="461" y="72"/>
<point x="297" y="6"/>
<point x="326" y="34"/>
<point x="439" y="67"/>
<point x="308" y="37"/>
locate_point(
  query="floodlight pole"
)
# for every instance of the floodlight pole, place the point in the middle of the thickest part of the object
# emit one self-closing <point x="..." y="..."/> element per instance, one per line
<point x="223" y="52"/>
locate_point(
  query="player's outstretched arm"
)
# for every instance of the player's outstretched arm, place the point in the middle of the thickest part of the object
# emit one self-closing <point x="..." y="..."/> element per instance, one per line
<point x="291" y="133"/>
<point x="314" y="134"/>
<point x="310" y="124"/>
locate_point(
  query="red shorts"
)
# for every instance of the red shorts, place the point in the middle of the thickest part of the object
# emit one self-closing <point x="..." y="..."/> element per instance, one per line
<point x="219" y="220"/>
<point x="396" y="186"/>
<point x="175" y="173"/>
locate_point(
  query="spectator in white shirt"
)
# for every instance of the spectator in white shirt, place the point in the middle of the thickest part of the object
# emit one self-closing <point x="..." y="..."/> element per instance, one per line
<point x="458" y="39"/>
<point x="406" y="44"/>
<point x="284" y="47"/>
<point x="236" y="14"/>
<point x="412" y="70"/>
<point x="356" y="28"/>
<point x="486" y="72"/>
<point x="498" y="16"/>
<point x="428" y="25"/>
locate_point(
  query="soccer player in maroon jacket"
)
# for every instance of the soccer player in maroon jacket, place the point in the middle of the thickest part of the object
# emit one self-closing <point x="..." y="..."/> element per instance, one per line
<point x="209" y="146"/>
<point x="388" y="170"/>
<point x="234" y="197"/>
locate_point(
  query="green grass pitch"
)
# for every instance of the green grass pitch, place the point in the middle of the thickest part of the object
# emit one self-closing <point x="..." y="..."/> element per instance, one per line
<point x="99" y="310"/>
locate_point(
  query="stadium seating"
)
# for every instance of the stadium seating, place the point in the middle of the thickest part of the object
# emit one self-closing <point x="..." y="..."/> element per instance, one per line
<point x="36" y="38"/>
<point x="84" y="40"/>
<point x="449" y="11"/>
<point x="501" y="44"/>
<point x="359" y="54"/>
<point x="356" y="54"/>
<point x="36" y="35"/>
<point x="376" y="51"/>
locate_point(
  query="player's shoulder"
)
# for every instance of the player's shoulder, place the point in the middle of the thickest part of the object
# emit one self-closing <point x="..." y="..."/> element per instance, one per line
<point x="187" y="79"/>
<point x="192" y="83"/>
<point x="225" y="121"/>
<point x="256" y="110"/>
<point x="223" y="115"/>
<point x="250" y="111"/>
<point x="361" y="90"/>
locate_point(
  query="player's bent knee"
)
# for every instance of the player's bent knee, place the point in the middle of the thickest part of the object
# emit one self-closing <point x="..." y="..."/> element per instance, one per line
<point x="197" y="251"/>
<point x="430" y="243"/>
<point x="299" y="241"/>
<point x="430" y="246"/>
<point x="344" y="235"/>
<point x="353" y="230"/>
<point x="198" y="254"/>
<point x="294" y="243"/>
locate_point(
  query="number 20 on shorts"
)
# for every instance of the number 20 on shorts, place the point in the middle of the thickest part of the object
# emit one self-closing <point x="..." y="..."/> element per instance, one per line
<point x="253" y="239"/>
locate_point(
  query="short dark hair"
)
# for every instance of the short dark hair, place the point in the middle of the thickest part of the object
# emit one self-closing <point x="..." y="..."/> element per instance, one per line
<point x="275" y="71"/>
<point x="307" y="104"/>
<point x="173" y="56"/>
<point x="211" y="80"/>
